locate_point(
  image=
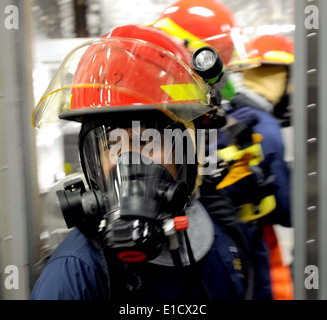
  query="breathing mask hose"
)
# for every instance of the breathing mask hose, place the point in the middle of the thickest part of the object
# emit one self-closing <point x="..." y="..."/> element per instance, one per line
<point x="170" y="232"/>
<point x="179" y="268"/>
<point x="195" y="271"/>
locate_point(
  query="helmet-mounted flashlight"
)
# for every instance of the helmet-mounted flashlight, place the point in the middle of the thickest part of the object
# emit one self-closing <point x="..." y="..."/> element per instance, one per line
<point x="208" y="64"/>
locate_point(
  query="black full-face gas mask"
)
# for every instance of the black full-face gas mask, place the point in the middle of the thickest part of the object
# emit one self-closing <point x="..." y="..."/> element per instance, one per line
<point x="140" y="176"/>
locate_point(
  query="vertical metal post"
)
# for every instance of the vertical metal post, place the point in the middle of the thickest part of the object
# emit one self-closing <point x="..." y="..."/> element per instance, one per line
<point x="32" y="200"/>
<point x="322" y="103"/>
<point x="18" y="187"/>
<point x="80" y="18"/>
<point x="299" y="171"/>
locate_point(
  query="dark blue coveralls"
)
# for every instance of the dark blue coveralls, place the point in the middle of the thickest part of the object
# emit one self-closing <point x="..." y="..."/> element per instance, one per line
<point x="76" y="272"/>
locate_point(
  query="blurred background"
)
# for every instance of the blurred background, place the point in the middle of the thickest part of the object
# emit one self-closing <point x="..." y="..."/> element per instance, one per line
<point x="34" y="164"/>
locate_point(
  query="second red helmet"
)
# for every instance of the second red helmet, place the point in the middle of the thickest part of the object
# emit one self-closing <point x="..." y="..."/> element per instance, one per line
<point x="201" y="23"/>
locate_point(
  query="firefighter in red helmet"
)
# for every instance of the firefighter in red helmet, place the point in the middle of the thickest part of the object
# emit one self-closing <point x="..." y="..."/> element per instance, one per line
<point x="262" y="83"/>
<point x="140" y="230"/>
<point x="270" y="83"/>
<point x="266" y="71"/>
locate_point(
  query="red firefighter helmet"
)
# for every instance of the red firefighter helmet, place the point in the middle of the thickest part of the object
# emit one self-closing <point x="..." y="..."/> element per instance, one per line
<point x="155" y="36"/>
<point x="275" y="49"/>
<point x="201" y="23"/>
<point x="133" y="66"/>
<point x="117" y="79"/>
<point x="272" y="49"/>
